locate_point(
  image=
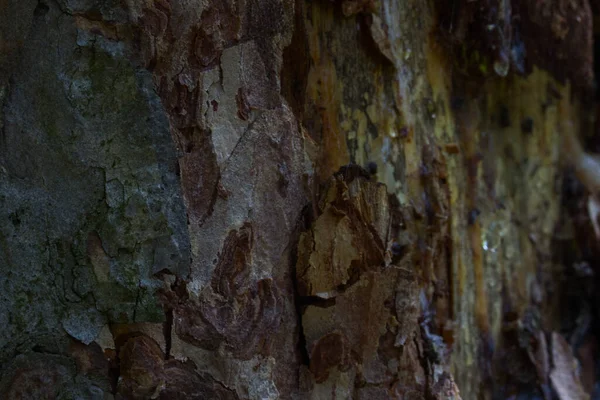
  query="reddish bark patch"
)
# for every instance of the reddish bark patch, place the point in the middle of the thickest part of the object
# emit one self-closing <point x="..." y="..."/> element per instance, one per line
<point x="145" y="374"/>
<point x="42" y="382"/>
<point x="332" y="350"/>
<point x="142" y="371"/>
<point x="242" y="105"/>
<point x="200" y="190"/>
<point x="182" y="382"/>
<point x="219" y="27"/>
<point x="234" y="311"/>
<point x="89" y="359"/>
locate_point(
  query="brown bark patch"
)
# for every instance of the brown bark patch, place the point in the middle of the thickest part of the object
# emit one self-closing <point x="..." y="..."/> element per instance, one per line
<point x="348" y="237"/>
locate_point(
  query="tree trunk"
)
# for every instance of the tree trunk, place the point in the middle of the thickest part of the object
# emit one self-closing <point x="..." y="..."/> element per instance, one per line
<point x="265" y="199"/>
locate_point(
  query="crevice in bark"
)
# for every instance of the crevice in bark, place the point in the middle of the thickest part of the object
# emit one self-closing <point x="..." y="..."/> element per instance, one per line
<point x="577" y="305"/>
<point x="41" y="9"/>
<point x="366" y="40"/>
<point x="114" y="371"/>
<point x="315" y="301"/>
<point x="294" y="72"/>
<point x="137" y="301"/>
<point x="168" y="332"/>
<point x="301" y="345"/>
<point x="299" y="305"/>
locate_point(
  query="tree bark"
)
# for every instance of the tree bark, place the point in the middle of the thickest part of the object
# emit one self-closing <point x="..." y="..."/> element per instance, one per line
<point x="265" y="199"/>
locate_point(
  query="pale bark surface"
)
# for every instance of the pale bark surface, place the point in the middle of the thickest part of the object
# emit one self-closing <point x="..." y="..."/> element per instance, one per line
<point x="184" y="211"/>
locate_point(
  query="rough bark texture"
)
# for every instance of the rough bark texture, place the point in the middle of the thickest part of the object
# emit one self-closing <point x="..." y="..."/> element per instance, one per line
<point x="263" y="199"/>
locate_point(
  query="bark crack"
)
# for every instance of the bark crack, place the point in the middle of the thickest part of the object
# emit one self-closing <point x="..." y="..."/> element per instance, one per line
<point x="299" y="304"/>
<point x="168" y="332"/>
